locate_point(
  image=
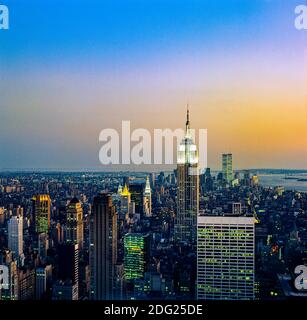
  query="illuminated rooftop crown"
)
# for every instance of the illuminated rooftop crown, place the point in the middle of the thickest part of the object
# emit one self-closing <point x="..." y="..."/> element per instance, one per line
<point x="187" y="153"/>
<point x="147" y="186"/>
<point x="125" y="192"/>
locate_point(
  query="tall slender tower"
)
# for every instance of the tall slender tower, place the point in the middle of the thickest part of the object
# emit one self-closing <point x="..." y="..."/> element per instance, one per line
<point x="147" y="198"/>
<point x="136" y="190"/>
<point x="68" y="266"/>
<point x="187" y="189"/>
<point x="41" y="211"/>
<point x="74" y="223"/>
<point x="227" y="167"/>
<point x="15" y="235"/>
<point x="103" y="250"/>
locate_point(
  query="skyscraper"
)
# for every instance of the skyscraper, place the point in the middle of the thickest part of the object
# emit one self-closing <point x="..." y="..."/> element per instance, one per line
<point x="187" y="189"/>
<point x="43" y="279"/>
<point x="43" y="246"/>
<point x="227" y="167"/>
<point x="125" y="200"/>
<point x="137" y="246"/>
<point x="26" y="283"/>
<point x="225" y="258"/>
<point x="41" y="211"/>
<point x="136" y="190"/>
<point x="15" y="235"/>
<point x="147" y="198"/>
<point x="103" y="250"/>
<point x="68" y="261"/>
<point x="74" y="223"/>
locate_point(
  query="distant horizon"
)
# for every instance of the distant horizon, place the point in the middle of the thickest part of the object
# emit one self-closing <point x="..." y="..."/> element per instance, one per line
<point x="96" y="170"/>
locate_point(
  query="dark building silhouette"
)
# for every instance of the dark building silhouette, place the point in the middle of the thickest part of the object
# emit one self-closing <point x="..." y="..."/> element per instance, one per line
<point x="103" y="250"/>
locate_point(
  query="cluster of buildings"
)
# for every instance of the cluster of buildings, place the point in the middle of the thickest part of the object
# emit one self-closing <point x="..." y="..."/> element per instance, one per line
<point x="175" y="235"/>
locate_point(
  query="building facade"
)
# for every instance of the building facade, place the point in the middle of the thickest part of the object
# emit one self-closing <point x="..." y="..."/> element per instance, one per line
<point x="74" y="223"/>
<point x="15" y="235"/>
<point x="41" y="212"/>
<point x="137" y="246"/>
<point x="68" y="265"/>
<point x="227" y="167"/>
<point x="103" y="247"/>
<point x="147" y="198"/>
<point x="125" y="200"/>
<point x="225" y="258"/>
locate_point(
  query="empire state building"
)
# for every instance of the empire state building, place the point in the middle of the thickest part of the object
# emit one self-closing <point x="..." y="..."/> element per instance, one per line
<point x="187" y="189"/>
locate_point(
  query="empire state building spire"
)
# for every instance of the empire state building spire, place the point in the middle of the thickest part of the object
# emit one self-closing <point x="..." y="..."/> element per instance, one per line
<point x="187" y="152"/>
<point x="187" y="188"/>
<point x="187" y="124"/>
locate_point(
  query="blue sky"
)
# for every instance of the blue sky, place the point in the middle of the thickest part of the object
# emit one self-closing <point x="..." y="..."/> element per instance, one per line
<point x="53" y="30"/>
<point x="68" y="69"/>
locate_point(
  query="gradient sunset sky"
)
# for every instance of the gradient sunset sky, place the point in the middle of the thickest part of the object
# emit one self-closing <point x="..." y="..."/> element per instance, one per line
<point x="69" y="69"/>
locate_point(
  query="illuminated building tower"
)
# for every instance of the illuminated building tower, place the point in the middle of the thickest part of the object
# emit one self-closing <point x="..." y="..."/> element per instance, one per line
<point x="147" y="198"/>
<point x="41" y="211"/>
<point x="227" y="167"/>
<point x="103" y="247"/>
<point x="15" y="235"/>
<point x="225" y="258"/>
<point x="125" y="200"/>
<point x="136" y="246"/>
<point x="187" y="189"/>
<point x="74" y="223"/>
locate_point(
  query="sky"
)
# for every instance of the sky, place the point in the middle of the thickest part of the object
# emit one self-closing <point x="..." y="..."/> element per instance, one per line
<point x="69" y="69"/>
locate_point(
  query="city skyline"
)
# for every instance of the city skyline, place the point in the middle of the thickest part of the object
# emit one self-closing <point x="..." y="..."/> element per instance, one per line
<point x="242" y="71"/>
<point x="153" y="157"/>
